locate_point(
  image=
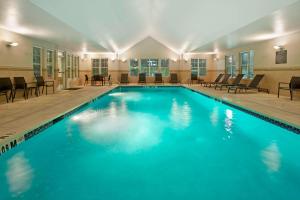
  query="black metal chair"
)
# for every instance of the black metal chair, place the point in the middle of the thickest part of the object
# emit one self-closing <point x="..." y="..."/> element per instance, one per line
<point x="5" y="87"/>
<point x="86" y="80"/>
<point x="124" y="78"/>
<point x="20" y="84"/>
<point x="142" y="78"/>
<point x="40" y="82"/>
<point x="174" y="78"/>
<point x="97" y="78"/>
<point x="253" y="85"/>
<point x="158" y="78"/>
<point x="292" y="86"/>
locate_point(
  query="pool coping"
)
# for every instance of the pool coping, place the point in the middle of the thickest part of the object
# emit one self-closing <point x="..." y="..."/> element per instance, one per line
<point x="27" y="134"/>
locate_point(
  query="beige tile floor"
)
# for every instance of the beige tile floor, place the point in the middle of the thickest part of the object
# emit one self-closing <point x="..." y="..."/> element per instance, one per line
<point x="21" y="116"/>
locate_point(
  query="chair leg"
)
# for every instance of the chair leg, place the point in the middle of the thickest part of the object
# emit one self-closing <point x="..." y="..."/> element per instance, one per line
<point x="6" y="97"/>
<point x="46" y="89"/>
<point x="43" y="89"/>
<point x="291" y="93"/>
<point x="53" y="89"/>
<point x="11" y="96"/>
<point x="278" y="92"/>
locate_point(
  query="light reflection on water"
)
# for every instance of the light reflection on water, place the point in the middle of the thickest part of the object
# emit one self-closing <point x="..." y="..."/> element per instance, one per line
<point x="214" y="117"/>
<point x="19" y="174"/>
<point x="120" y="129"/>
<point x="228" y="122"/>
<point x="180" y="115"/>
<point x="271" y="157"/>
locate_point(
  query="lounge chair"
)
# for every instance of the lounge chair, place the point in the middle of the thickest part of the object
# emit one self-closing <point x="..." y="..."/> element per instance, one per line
<point x="124" y="79"/>
<point x="235" y="82"/>
<point x="174" y="78"/>
<point x="158" y="78"/>
<point x="209" y="84"/>
<point x="224" y="81"/>
<point x="40" y="82"/>
<point x="253" y="85"/>
<point x="292" y="86"/>
<point x="20" y="84"/>
<point x="142" y="78"/>
<point x="5" y="87"/>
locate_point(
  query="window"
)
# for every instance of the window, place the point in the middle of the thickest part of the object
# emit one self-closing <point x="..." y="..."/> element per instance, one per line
<point x="72" y="66"/>
<point x="149" y="66"/>
<point x="50" y="64"/>
<point x="104" y="66"/>
<point x="76" y="66"/>
<point x="164" y="67"/>
<point x="247" y="63"/>
<point x="230" y="65"/>
<point x="198" y="67"/>
<point x="95" y="66"/>
<point x="37" y="61"/>
<point x="134" y="67"/>
<point x="68" y="66"/>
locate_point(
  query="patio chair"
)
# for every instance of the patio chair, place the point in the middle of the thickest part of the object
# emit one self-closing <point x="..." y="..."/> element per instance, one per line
<point x="86" y="80"/>
<point x="142" y="78"/>
<point x="235" y="82"/>
<point x="194" y="77"/>
<point x="20" y="84"/>
<point x="253" y="85"/>
<point x="124" y="78"/>
<point x="40" y="82"/>
<point x="5" y="87"/>
<point x="224" y="81"/>
<point x="174" y="78"/>
<point x="158" y="78"/>
<point x="292" y="86"/>
<point x="209" y="84"/>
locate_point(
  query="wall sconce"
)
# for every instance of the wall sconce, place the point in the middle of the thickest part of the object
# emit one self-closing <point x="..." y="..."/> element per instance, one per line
<point x="12" y="44"/>
<point x="278" y="47"/>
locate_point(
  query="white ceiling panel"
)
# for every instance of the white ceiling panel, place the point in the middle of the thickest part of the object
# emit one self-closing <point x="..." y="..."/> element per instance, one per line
<point x="116" y="25"/>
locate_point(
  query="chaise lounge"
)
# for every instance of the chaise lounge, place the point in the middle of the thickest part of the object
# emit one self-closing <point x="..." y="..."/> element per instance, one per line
<point x="209" y="84"/>
<point x="142" y="78"/>
<point x="158" y="78"/>
<point x="253" y="85"/>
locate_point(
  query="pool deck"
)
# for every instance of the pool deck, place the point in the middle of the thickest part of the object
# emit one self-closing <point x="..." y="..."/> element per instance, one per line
<point x="24" y="115"/>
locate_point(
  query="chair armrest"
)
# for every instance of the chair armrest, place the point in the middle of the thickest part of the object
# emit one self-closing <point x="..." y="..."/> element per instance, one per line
<point x="49" y="82"/>
<point x="283" y="83"/>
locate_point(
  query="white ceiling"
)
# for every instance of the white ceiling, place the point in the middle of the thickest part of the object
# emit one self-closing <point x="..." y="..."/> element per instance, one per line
<point x="116" y="25"/>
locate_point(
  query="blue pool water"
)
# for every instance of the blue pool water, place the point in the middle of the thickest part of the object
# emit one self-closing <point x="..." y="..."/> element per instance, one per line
<point x="155" y="143"/>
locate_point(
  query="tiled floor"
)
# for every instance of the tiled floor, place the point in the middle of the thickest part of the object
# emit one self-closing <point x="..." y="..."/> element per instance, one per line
<point x="21" y="116"/>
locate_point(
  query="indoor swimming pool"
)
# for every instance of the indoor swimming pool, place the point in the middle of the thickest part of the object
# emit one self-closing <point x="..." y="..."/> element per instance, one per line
<point x="155" y="143"/>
